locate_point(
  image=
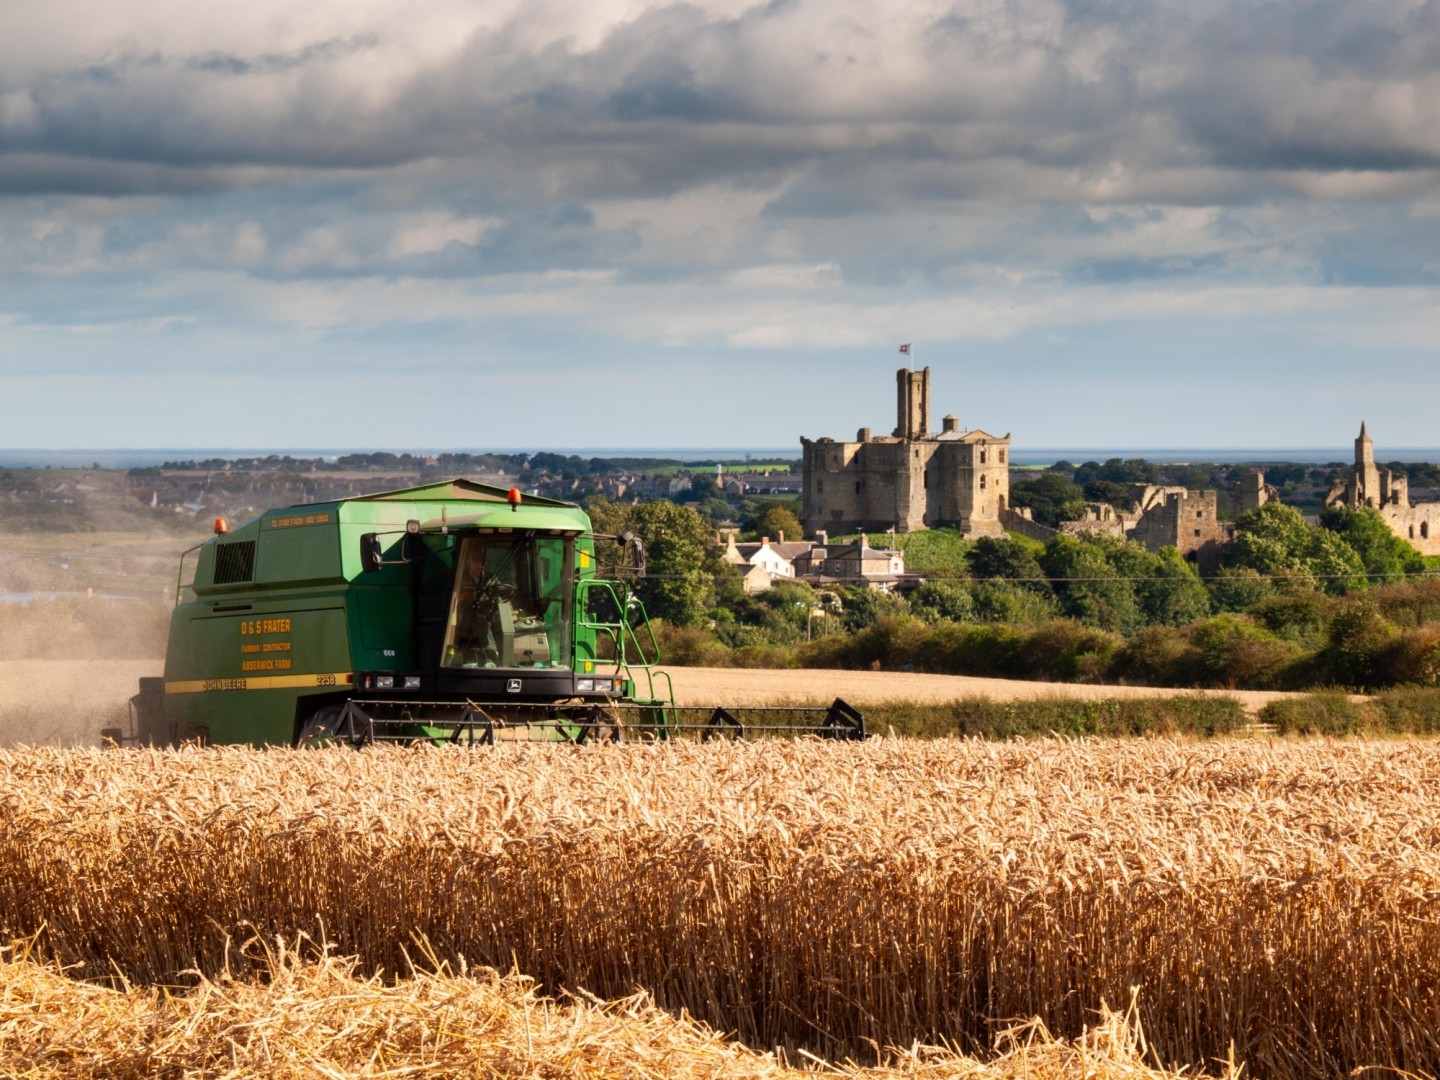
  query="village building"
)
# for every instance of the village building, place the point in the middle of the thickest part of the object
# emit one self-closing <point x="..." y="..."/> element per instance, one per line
<point x="1384" y="491"/>
<point x="858" y="563"/>
<point x="911" y="479"/>
<point x="762" y="563"/>
<point x="816" y="563"/>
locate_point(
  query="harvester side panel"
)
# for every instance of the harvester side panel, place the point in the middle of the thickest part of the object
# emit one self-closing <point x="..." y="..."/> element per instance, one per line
<point x="243" y="675"/>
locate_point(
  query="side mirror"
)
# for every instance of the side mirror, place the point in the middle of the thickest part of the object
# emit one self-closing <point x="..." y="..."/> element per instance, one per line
<point x="637" y="549"/>
<point x="370" y="553"/>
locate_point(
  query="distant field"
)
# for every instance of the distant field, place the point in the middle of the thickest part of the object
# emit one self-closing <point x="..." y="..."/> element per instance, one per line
<point x="132" y="564"/>
<point x="69" y="701"/>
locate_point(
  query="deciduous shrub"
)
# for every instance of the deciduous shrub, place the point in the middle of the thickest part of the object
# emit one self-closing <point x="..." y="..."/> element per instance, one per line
<point x="1325" y="713"/>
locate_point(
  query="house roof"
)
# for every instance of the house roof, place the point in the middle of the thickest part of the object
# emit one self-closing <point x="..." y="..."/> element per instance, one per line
<point x="786" y="551"/>
<point x="974" y="436"/>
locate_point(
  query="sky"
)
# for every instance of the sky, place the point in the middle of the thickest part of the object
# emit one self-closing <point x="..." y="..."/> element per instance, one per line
<point x="447" y="224"/>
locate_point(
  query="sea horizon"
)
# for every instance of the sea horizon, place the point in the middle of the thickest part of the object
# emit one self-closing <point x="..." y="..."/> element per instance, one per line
<point x="126" y="458"/>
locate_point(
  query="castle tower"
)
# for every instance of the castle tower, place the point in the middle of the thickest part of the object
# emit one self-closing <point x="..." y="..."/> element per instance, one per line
<point x="1369" y="490"/>
<point x="1251" y="492"/>
<point x="913" y="406"/>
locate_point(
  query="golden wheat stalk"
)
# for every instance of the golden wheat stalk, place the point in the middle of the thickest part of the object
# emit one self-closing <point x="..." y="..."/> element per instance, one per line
<point x="1277" y="898"/>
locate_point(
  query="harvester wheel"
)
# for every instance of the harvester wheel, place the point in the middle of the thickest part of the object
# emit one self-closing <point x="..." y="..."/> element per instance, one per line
<point x="328" y="727"/>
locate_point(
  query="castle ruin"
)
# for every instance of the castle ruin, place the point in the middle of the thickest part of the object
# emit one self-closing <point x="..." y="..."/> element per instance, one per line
<point x="911" y="479"/>
<point x="1382" y="490"/>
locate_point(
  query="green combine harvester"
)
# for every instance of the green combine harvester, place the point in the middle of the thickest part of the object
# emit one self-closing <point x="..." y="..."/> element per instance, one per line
<point x="452" y="612"/>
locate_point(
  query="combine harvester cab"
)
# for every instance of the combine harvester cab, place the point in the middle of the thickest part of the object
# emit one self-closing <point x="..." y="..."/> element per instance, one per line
<point x="449" y="612"/>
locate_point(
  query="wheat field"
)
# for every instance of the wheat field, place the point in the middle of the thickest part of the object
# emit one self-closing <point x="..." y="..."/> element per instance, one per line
<point x="1271" y="901"/>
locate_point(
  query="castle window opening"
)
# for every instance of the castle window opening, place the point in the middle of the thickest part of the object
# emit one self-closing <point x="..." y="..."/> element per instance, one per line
<point x="1002" y="456"/>
<point x="857" y="487"/>
<point x="1412" y="532"/>
<point x="982" y="457"/>
<point x="1424" y="530"/>
<point x="1197" y="532"/>
<point x="982" y="483"/>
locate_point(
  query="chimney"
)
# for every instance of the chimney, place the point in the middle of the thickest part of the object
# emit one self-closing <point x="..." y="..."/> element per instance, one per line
<point x="822" y="537"/>
<point x="764" y="540"/>
<point x="781" y="534"/>
<point x="949" y="423"/>
<point x="863" y="435"/>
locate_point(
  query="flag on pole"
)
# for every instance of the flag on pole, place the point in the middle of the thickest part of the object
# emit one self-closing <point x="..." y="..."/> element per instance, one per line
<point x="905" y="348"/>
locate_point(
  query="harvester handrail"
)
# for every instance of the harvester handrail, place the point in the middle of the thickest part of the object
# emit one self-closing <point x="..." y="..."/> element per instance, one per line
<point x="622" y="633"/>
<point x="180" y="585"/>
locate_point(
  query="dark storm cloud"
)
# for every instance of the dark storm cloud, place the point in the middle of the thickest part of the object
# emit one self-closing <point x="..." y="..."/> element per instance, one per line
<point x="231" y="64"/>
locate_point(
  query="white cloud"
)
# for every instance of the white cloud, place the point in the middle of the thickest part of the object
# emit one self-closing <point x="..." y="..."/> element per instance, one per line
<point x="432" y="232"/>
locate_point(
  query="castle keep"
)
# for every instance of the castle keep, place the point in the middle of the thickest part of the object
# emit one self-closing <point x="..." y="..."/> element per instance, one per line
<point x="911" y="479"/>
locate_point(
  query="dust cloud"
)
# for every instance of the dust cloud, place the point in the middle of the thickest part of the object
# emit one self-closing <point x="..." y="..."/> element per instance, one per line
<point x="83" y="615"/>
<point x="69" y="665"/>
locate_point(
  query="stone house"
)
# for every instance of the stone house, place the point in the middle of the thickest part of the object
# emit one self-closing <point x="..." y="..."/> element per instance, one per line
<point x="912" y="479"/>
<point x="813" y="562"/>
<point x="763" y="563"/>
<point x="858" y="563"/>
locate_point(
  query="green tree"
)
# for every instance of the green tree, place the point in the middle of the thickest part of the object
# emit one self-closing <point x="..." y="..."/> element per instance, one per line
<point x="992" y="559"/>
<point x="1385" y="556"/>
<point x="1128" y="471"/>
<point x="1051" y="498"/>
<point x="1008" y="602"/>
<point x="1358" y="652"/>
<point x="1275" y="542"/>
<point x="683" y="561"/>
<point x="1088" y="586"/>
<point x="777" y="521"/>
<point x="1108" y="491"/>
<point x="863" y="605"/>
<point x="1238" y="588"/>
<point x="715" y="510"/>
<point x="936" y="601"/>
<point x="1167" y="588"/>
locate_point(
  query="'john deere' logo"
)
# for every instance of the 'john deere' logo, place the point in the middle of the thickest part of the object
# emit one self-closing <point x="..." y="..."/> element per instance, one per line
<point x="512" y="686"/>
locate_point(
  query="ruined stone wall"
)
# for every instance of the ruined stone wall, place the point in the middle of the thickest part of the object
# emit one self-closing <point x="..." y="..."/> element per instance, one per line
<point x="1418" y="526"/>
<point x="1100" y="519"/>
<point x="1015" y="521"/>
<point x="1251" y="492"/>
<point x="1188" y="521"/>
